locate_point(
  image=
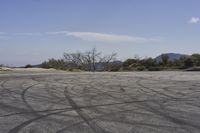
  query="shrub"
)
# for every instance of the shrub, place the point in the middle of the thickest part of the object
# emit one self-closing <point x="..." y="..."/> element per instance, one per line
<point x="28" y="66"/>
<point x="156" y="68"/>
<point x="140" y="68"/>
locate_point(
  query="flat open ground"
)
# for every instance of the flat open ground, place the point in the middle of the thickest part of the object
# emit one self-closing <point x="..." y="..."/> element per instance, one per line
<point x="138" y="102"/>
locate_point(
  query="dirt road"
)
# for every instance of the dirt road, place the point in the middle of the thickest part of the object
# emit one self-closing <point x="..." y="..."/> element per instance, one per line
<point x="140" y="102"/>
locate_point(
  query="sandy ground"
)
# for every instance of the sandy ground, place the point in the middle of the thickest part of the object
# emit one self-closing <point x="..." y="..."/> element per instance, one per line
<point x="21" y="70"/>
<point x="138" y="102"/>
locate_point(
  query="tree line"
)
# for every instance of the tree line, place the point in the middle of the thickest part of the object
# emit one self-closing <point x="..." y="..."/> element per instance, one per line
<point x="94" y="60"/>
<point x="166" y="63"/>
<point x="91" y="60"/>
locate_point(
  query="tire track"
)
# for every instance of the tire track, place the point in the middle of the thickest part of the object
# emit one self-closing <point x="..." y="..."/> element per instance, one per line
<point x="104" y="97"/>
<point x="31" y="112"/>
<point x="93" y="126"/>
<point x="157" y="92"/>
<point x="24" y="99"/>
<point x="91" y="119"/>
<point x="26" y="123"/>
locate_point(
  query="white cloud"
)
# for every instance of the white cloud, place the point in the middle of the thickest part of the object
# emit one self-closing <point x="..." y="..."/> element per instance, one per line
<point x="90" y="36"/>
<point x="194" y="20"/>
<point x="93" y="36"/>
<point x="29" y="34"/>
<point x="57" y="32"/>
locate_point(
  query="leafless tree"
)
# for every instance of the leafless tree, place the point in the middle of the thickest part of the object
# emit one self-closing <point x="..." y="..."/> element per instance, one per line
<point x="107" y="60"/>
<point x="74" y="59"/>
<point x="89" y="59"/>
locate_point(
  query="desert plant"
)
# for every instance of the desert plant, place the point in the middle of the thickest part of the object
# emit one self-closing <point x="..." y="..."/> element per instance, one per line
<point x="28" y="66"/>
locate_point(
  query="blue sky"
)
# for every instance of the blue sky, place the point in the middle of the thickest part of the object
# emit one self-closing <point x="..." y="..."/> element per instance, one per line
<point x="32" y="31"/>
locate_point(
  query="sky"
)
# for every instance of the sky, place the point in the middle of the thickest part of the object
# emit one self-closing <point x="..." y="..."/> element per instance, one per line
<point x="32" y="31"/>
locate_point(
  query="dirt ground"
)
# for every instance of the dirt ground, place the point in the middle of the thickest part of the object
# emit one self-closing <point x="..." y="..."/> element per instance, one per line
<point x="25" y="70"/>
<point x="129" y="102"/>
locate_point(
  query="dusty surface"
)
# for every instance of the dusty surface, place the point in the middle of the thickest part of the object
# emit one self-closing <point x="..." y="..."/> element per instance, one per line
<point x="146" y="102"/>
<point x="25" y="70"/>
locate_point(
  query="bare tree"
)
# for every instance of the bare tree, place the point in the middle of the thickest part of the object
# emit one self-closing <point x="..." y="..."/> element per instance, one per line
<point x="107" y="60"/>
<point x="93" y="57"/>
<point x="89" y="59"/>
<point x="74" y="59"/>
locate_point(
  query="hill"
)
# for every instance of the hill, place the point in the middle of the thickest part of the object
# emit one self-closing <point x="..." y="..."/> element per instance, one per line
<point x="172" y="56"/>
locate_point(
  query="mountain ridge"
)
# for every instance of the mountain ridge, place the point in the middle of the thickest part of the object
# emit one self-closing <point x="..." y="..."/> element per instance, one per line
<point x="172" y="56"/>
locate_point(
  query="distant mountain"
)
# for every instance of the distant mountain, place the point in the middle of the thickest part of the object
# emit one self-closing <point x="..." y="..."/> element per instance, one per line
<point x="100" y="66"/>
<point x="36" y="66"/>
<point x="172" y="56"/>
<point x="117" y="62"/>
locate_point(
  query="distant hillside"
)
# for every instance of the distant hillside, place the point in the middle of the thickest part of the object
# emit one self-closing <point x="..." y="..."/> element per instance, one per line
<point x="172" y="56"/>
<point x="32" y="66"/>
<point x="36" y="66"/>
<point x="100" y="66"/>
